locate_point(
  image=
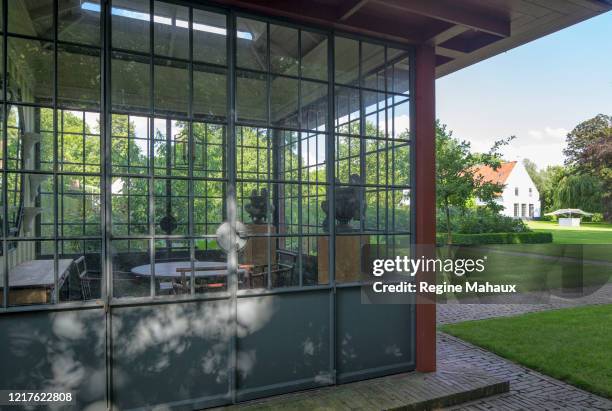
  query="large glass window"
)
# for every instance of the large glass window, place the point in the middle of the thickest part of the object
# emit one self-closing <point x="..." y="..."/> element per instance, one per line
<point x="122" y="156"/>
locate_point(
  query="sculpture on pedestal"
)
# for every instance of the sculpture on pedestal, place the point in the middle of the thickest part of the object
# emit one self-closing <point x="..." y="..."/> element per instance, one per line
<point x="348" y="203"/>
<point x="259" y="206"/>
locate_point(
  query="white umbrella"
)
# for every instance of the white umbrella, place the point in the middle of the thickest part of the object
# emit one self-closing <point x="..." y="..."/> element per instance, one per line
<point x="569" y="211"/>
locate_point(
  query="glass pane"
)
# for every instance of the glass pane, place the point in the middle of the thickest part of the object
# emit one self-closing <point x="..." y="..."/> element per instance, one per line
<point x="314" y="220"/>
<point x="313" y="157"/>
<point x="377" y="159"/>
<point x="209" y="150"/>
<point x="171" y="30"/>
<point x="373" y="66"/>
<point x="31" y="18"/>
<point x="209" y="37"/>
<point x="399" y="163"/>
<point x="31" y="71"/>
<point x="347" y="111"/>
<point x="30" y="204"/>
<point x="130" y="144"/>
<point x="252" y="153"/>
<point x="375" y="114"/>
<point x="401" y="118"/>
<point x="288" y="145"/>
<point x="172" y="267"/>
<point x="284" y="50"/>
<point x="31" y="273"/>
<point x="131" y="268"/>
<point x="314" y="55"/>
<point x="79" y="21"/>
<point x="209" y="92"/>
<point x="83" y="279"/>
<point x="171" y="87"/>
<point x="79" y="142"/>
<point x="251" y="97"/>
<point x="348" y="159"/>
<point x="401" y="76"/>
<point x="350" y="253"/>
<point x="30" y="138"/>
<point x="171" y="147"/>
<point x="375" y="209"/>
<point x="130" y="25"/>
<point x="79" y="205"/>
<point x="130" y="205"/>
<point x="398" y="213"/>
<point x="170" y="200"/>
<point x="130" y="84"/>
<point x="251" y="44"/>
<point x="346" y="60"/>
<point x="210" y="272"/>
<point x="284" y="102"/>
<point x="78" y="77"/>
<point x="208" y="209"/>
<point x="314" y="106"/>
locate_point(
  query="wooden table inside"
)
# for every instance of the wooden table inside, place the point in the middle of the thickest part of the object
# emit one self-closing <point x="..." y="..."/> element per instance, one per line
<point x="32" y="282"/>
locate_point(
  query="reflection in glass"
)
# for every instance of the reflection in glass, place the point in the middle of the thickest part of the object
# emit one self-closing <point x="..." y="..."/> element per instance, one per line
<point x="251" y="97"/>
<point x="284" y="50"/>
<point x="171" y="87"/>
<point x="127" y="256"/>
<point x="78" y="77"/>
<point x="31" y="60"/>
<point x="130" y="25"/>
<point x="251" y="44"/>
<point x="171" y="30"/>
<point x="314" y="55"/>
<point x="130" y="82"/>
<point x="209" y="37"/>
<point x="31" y="18"/>
<point x="79" y="21"/>
<point x="209" y="92"/>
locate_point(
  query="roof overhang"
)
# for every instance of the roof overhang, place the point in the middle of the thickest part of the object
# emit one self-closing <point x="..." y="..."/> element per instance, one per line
<point x="463" y="32"/>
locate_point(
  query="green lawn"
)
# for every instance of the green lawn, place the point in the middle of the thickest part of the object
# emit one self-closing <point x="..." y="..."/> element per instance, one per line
<point x="573" y="345"/>
<point x="587" y="233"/>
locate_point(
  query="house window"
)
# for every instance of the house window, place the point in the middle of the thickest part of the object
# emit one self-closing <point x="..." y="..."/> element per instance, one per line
<point x="523" y="210"/>
<point x="530" y="191"/>
<point x="516" y="210"/>
<point x="531" y="210"/>
<point x="516" y="191"/>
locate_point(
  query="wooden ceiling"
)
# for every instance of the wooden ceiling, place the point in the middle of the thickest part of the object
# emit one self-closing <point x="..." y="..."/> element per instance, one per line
<point x="463" y="32"/>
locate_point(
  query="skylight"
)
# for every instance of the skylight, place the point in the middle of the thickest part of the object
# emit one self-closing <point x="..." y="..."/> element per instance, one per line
<point x="137" y="15"/>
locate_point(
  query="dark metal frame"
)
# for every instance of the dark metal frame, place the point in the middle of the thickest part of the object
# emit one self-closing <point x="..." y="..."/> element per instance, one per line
<point x="229" y="178"/>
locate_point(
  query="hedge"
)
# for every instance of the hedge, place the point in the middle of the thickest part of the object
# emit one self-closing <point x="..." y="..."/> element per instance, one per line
<point x="496" y="238"/>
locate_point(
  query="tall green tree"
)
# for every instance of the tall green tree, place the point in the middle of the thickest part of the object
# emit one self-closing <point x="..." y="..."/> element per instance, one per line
<point x="457" y="180"/>
<point x="589" y="151"/>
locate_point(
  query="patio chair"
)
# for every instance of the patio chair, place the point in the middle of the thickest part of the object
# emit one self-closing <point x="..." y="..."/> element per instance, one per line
<point x="81" y="267"/>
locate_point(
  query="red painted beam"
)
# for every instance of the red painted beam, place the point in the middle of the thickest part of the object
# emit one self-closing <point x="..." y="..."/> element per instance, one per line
<point x="425" y="199"/>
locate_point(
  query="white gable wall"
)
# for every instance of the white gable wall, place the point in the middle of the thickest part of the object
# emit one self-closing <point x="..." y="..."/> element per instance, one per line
<point x="519" y="178"/>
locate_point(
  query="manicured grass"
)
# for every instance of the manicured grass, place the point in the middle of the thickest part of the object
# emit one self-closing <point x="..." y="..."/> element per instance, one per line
<point x="587" y="233"/>
<point x="573" y="345"/>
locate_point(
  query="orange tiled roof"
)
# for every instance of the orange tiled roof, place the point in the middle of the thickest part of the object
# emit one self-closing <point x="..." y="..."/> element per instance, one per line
<point x="498" y="176"/>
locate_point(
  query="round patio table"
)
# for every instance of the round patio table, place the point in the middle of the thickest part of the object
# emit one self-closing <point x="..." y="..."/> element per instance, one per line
<point x="176" y="269"/>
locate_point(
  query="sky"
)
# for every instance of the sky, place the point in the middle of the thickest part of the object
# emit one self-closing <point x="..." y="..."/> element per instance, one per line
<point x="537" y="92"/>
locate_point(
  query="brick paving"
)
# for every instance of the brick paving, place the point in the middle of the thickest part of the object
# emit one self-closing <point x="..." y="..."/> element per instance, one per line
<point x="454" y="312"/>
<point x="529" y="390"/>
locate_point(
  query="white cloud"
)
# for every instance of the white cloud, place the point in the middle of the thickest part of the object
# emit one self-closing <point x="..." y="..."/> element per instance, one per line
<point x="548" y="134"/>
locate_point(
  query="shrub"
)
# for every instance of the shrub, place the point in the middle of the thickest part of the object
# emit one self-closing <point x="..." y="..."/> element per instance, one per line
<point x="480" y="220"/>
<point x="497" y="238"/>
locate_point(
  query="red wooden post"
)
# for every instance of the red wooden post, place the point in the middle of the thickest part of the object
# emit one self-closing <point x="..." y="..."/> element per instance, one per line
<point x="425" y="198"/>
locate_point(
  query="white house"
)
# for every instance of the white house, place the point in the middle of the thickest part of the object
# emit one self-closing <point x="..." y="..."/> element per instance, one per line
<point x="520" y="197"/>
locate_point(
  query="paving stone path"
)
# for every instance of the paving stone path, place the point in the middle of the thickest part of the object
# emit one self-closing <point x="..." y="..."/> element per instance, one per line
<point x="453" y="312"/>
<point x="529" y="390"/>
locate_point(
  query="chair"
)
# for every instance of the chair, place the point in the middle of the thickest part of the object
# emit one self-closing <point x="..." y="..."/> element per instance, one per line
<point x="282" y="272"/>
<point x="213" y="283"/>
<point x="81" y="267"/>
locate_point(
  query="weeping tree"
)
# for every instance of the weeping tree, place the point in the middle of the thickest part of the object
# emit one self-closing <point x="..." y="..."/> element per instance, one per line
<point x="579" y="191"/>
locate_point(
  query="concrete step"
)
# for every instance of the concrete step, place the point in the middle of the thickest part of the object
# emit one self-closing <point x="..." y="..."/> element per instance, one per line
<point x="406" y="392"/>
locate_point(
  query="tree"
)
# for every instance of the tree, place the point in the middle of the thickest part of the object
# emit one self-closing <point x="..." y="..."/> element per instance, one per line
<point x="589" y="151"/>
<point x="457" y="181"/>
<point x="546" y="181"/>
<point x="578" y="191"/>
